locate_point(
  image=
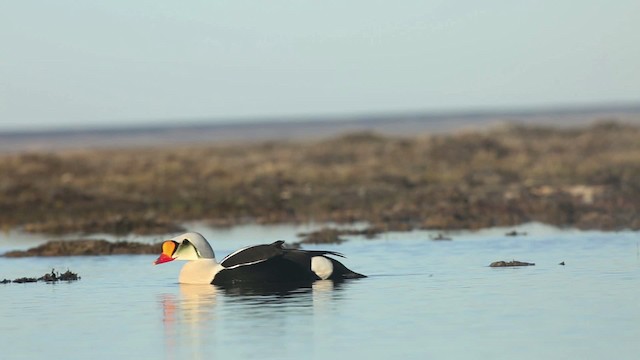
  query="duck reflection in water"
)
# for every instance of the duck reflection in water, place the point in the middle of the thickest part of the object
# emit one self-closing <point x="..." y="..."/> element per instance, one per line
<point x="193" y="316"/>
<point x="280" y="292"/>
<point x="196" y="303"/>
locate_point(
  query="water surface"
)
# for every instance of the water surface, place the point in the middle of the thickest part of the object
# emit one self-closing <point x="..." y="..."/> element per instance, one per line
<point x="423" y="299"/>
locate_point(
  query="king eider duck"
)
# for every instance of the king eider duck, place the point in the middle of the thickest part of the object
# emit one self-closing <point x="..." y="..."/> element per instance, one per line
<point x="258" y="264"/>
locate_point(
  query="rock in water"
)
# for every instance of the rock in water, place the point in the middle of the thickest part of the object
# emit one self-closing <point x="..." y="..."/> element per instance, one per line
<point x="510" y="263"/>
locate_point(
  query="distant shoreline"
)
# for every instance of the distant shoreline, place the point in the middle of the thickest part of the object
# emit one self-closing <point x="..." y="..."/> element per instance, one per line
<point x="194" y="132"/>
<point x="584" y="177"/>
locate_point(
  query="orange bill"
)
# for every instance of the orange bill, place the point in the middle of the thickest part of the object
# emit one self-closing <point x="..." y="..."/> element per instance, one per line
<point x="168" y="248"/>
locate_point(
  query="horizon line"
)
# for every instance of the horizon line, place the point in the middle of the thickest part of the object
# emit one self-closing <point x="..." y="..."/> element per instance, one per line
<point x="363" y="116"/>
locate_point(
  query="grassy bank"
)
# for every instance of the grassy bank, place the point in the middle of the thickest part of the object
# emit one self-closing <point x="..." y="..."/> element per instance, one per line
<point x="585" y="177"/>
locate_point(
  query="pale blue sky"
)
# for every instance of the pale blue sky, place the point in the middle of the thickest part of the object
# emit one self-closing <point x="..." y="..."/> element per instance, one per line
<point x="115" y="62"/>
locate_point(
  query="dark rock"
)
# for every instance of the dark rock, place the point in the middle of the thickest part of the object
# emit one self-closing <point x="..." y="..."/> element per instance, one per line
<point x="440" y="236"/>
<point x="562" y="263"/>
<point x="369" y="233"/>
<point x="510" y="263"/>
<point x="515" y="233"/>
<point x="322" y="236"/>
<point x="332" y="236"/>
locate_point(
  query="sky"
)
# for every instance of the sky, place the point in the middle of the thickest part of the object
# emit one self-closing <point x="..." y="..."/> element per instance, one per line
<point x="74" y="63"/>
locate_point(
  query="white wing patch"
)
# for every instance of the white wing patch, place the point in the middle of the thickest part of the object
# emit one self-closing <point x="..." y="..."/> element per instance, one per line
<point x="322" y="266"/>
<point x="245" y="264"/>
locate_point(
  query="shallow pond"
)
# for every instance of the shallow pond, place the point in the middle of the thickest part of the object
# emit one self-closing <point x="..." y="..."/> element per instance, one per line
<point x="423" y="299"/>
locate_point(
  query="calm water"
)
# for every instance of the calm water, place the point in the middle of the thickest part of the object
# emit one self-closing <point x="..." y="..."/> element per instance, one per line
<point x="423" y="299"/>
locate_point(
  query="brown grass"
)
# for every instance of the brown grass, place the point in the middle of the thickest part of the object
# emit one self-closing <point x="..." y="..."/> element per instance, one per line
<point x="587" y="177"/>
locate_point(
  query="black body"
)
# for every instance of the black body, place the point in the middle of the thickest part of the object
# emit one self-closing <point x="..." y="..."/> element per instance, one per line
<point x="274" y="264"/>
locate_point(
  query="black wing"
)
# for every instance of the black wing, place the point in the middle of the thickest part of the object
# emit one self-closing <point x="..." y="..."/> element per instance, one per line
<point x="273" y="263"/>
<point x="253" y="254"/>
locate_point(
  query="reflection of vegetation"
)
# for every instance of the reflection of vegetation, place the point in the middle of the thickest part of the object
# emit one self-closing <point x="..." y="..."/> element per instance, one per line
<point x="587" y="177"/>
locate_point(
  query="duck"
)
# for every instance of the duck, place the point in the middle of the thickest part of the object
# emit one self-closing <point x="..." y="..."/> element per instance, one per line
<point x="258" y="264"/>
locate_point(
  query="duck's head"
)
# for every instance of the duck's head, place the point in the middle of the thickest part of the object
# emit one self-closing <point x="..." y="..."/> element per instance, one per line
<point x="188" y="246"/>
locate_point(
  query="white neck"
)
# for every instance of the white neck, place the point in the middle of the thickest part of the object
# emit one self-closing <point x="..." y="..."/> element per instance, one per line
<point x="201" y="271"/>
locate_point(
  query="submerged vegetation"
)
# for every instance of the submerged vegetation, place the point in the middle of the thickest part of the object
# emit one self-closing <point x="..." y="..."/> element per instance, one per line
<point x="584" y="177"/>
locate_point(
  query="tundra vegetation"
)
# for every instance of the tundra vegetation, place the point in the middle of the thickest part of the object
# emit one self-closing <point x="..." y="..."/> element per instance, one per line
<point x="586" y="177"/>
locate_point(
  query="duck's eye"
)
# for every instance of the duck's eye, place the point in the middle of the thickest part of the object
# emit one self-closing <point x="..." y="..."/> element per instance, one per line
<point x="186" y="245"/>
